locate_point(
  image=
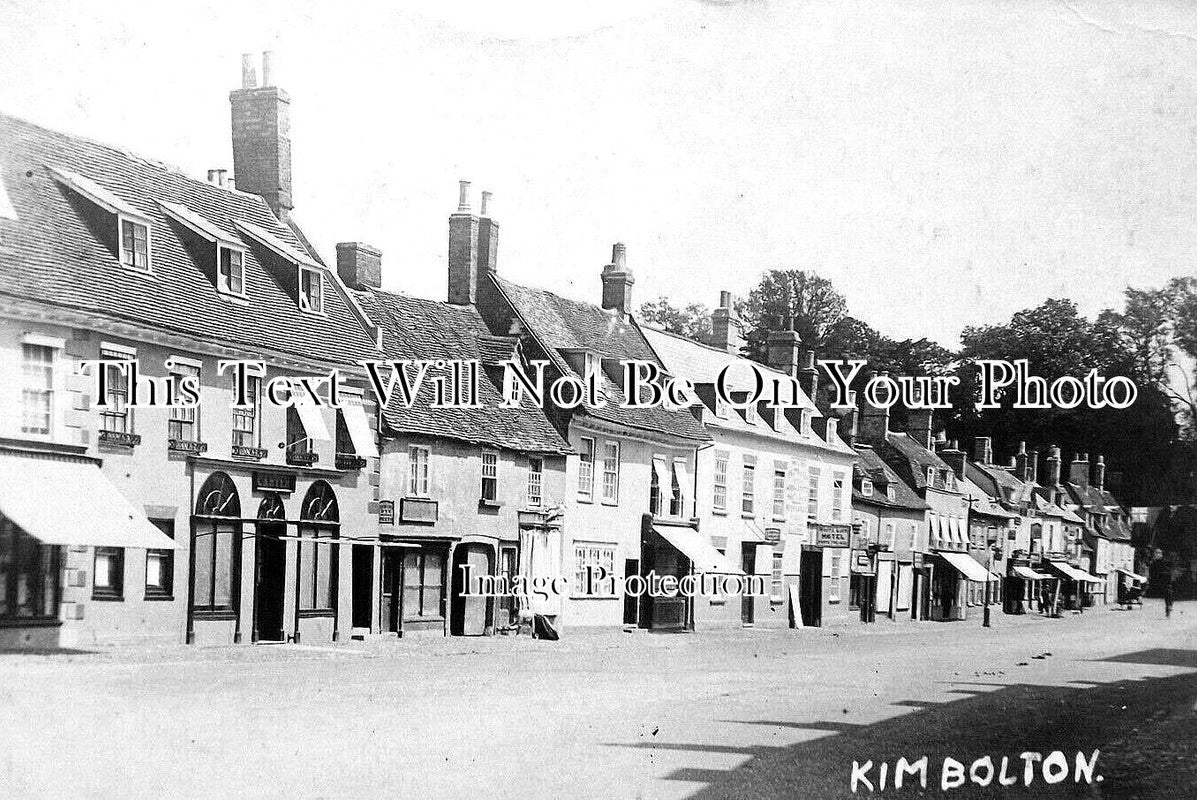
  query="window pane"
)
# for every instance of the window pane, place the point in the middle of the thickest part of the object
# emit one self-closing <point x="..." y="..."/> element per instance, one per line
<point x="323" y="575"/>
<point x="203" y="567"/>
<point x="307" y="571"/>
<point x="224" y="567"/>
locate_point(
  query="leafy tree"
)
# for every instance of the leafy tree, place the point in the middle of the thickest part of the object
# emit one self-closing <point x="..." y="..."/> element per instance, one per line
<point x="692" y="321"/>
<point x="791" y="299"/>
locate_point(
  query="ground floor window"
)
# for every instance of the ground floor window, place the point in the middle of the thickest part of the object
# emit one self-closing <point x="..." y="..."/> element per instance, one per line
<point x="591" y="554"/>
<point x="316" y="569"/>
<point x="423" y="586"/>
<point x="160" y="564"/>
<point x="215" y="546"/>
<point x="833" y="593"/>
<point x="108" y="574"/>
<point x="777" y="578"/>
<point x="28" y="575"/>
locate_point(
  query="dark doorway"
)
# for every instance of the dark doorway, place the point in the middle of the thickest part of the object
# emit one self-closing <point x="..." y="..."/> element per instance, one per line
<point x="271" y="577"/>
<point x="631" y="603"/>
<point x="747" y="601"/>
<point x="469" y="615"/>
<point x="392" y="588"/>
<point x="363" y="584"/>
<point x="810" y="588"/>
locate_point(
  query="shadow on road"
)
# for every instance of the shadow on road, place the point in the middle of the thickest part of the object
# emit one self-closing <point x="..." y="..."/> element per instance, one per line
<point x="1146" y="730"/>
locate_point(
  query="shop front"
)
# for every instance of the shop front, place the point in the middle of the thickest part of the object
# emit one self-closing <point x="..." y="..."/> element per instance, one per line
<point x="950" y="587"/>
<point x="670" y="551"/>
<point x="863" y="584"/>
<point x="1023" y="586"/>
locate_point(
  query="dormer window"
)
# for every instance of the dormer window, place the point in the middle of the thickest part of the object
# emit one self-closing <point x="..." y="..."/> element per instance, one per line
<point x="230" y="276"/>
<point x="807" y="416"/>
<point x="930" y="476"/>
<point x="720" y="407"/>
<point x="311" y="290"/>
<point x="591" y="364"/>
<point x="750" y="415"/>
<point x="866" y="487"/>
<point x="135" y="244"/>
<point x="889" y="491"/>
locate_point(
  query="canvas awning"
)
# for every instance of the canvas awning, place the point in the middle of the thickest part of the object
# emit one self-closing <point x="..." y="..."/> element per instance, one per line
<point x="1134" y="576"/>
<point x="359" y="430"/>
<point x="65" y="500"/>
<point x="661" y="470"/>
<point x="313" y="422"/>
<point x="967" y="566"/>
<point x="957" y="533"/>
<point x="1028" y="574"/>
<point x="1073" y="574"/>
<point x="694" y="546"/>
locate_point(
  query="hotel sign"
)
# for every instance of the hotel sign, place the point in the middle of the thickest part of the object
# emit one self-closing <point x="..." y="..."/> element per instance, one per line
<point x="772" y="535"/>
<point x="833" y="535"/>
<point x="386" y="512"/>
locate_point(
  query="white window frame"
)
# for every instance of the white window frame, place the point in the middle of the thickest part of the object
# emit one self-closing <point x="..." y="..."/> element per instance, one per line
<point x="121" y="221"/>
<point x="535" y="489"/>
<point x="53" y="393"/>
<point x="490" y="472"/>
<point x="305" y="305"/>
<point x="588" y="446"/>
<point x="814" y="477"/>
<point x="598" y="554"/>
<point x="719" y="482"/>
<point x="748" y="490"/>
<point x="611" y="498"/>
<point x="779" y="494"/>
<point x="419" y="470"/>
<point x="834" y="574"/>
<point x="866" y="487"/>
<point x="221" y="247"/>
<point x="838" y="479"/>
<point x="178" y="413"/>
<point x="931" y="476"/>
<point x="116" y="352"/>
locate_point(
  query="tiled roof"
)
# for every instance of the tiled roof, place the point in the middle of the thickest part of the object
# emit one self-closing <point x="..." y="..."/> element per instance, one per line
<point x="1047" y="508"/>
<point x="872" y="466"/>
<point x="999" y="483"/>
<point x="62" y="249"/>
<point x="701" y="364"/>
<point x="560" y="324"/>
<point x="984" y="504"/>
<point x="416" y="329"/>
<point x="910" y="460"/>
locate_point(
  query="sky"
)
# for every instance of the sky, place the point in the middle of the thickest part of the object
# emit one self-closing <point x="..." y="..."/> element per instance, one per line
<point x="944" y="163"/>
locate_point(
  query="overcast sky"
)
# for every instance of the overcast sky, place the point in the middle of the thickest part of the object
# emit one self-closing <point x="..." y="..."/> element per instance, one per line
<point x="944" y="163"/>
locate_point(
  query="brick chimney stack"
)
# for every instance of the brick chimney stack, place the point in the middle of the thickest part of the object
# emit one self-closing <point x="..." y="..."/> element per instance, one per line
<point x="463" y="250"/>
<point x="1053" y="466"/>
<point x="261" y="117"/>
<point x="781" y="351"/>
<point x="874" y="421"/>
<point x="359" y="265"/>
<point x="920" y="423"/>
<point x="1099" y="473"/>
<point x="726" y="329"/>
<point x="954" y="457"/>
<point x="983" y="450"/>
<point x="808" y="376"/>
<point x="1032" y="474"/>
<point x="850" y="421"/>
<point x="1078" y="472"/>
<point x="488" y="239"/>
<point x="617" y="281"/>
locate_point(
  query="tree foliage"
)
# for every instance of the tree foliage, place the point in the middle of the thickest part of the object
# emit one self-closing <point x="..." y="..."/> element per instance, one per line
<point x="692" y="321"/>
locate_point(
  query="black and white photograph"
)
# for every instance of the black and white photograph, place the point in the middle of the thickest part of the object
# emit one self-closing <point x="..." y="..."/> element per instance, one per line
<point x="822" y="425"/>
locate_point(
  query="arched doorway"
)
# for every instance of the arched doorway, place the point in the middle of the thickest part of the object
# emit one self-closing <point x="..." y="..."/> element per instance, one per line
<point x="470" y="616"/>
<point x="270" y="565"/>
<point x="316" y="567"/>
<point x="215" y="554"/>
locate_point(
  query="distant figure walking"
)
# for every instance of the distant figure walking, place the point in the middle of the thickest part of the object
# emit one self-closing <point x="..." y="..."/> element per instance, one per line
<point x="1168" y="599"/>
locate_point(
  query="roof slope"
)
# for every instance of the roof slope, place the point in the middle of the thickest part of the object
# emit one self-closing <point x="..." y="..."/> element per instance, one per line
<point x="61" y="249"/>
<point x="910" y="460"/>
<point x="873" y="467"/>
<point x="417" y="329"/>
<point x="560" y="324"/>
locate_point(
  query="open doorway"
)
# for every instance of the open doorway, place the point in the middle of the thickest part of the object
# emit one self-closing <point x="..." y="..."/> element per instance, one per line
<point x="810" y="588"/>
<point x="270" y="580"/>
<point x="469" y="615"/>
<point x="363" y="582"/>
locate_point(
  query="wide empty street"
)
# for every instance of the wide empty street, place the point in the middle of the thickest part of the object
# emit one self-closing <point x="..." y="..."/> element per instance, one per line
<point x="746" y="713"/>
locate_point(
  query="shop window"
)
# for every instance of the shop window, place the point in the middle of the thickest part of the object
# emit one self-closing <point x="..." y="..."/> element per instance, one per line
<point x="319" y="516"/>
<point x="777" y="578"/>
<point x="29" y="575"/>
<point x="586" y="469"/>
<point x="216" y="544"/>
<point x="108" y="574"/>
<point x="160" y="565"/>
<point x="423" y="586"/>
<point x="490" y="476"/>
<point x="590" y="554"/>
<point x="37" y="393"/>
<point x="719" y="498"/>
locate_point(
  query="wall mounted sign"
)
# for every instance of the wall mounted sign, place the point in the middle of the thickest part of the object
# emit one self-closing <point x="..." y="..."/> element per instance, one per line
<point x="386" y="512"/>
<point x="274" y="481"/>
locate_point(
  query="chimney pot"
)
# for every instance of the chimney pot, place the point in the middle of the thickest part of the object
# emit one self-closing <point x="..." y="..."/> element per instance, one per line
<point x="249" y="73"/>
<point x="463" y="197"/>
<point x="267" y="68"/>
<point x="725" y="299"/>
<point x="619" y="255"/>
<point x="617" y="281"/>
<point x="484" y="211"/>
<point x="212" y="176"/>
<point x="726" y="333"/>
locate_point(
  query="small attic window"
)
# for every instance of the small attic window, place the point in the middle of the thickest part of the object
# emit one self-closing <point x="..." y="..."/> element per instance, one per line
<point x="591" y="364"/>
<point x="930" y="476"/>
<point x="750" y="415"/>
<point x="889" y="491"/>
<point x="807" y="416"/>
<point x="311" y="290"/>
<point x="866" y="487"/>
<point x="135" y="244"/>
<point x="720" y="407"/>
<point x="230" y="275"/>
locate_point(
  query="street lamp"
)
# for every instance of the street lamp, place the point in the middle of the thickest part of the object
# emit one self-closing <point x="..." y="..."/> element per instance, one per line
<point x="968" y="525"/>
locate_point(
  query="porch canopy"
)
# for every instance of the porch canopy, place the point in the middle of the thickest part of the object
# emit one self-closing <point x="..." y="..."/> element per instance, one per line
<point x="694" y="546"/>
<point x="66" y="500"/>
<point x="967" y="566"/>
<point x="1134" y="576"/>
<point x="1029" y="574"/>
<point x="1073" y="574"/>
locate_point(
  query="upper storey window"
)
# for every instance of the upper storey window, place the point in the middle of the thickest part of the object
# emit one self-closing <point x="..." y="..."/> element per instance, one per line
<point x="311" y="290"/>
<point x="135" y="244"/>
<point x="231" y="273"/>
<point x="132" y="226"/>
